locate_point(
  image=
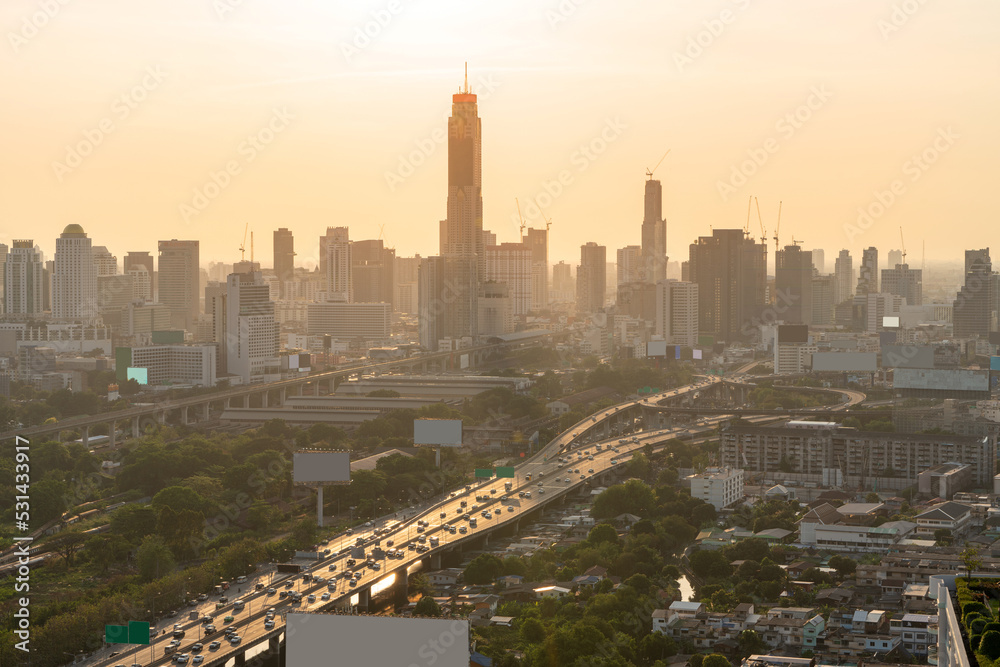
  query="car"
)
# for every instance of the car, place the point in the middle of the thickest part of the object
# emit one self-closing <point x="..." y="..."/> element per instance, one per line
<point x="283" y="594"/>
<point x="389" y="543"/>
<point x="214" y="646"/>
<point x="203" y="597"/>
<point x="510" y="508"/>
<point x="235" y="639"/>
<point x="325" y="596"/>
<point x="458" y="511"/>
<point x="228" y="619"/>
<point x="351" y="562"/>
<point x="420" y="529"/>
<point x="422" y="539"/>
<point x="258" y="586"/>
<point x="354" y="582"/>
<point x="590" y="471"/>
<point x="368" y="524"/>
<point x="411" y="546"/>
<point x="181" y="658"/>
<point x="271" y="612"/>
<point x="539" y="484"/>
<point x="541" y="490"/>
<point x="462" y="529"/>
<point x="333" y="566"/>
<point x="583" y="477"/>
<point x="197" y="647"/>
<point x="210" y="628"/>
<point x="487" y="515"/>
<point x="270" y="591"/>
<point x="375" y="566"/>
<point x="497" y="510"/>
<point x="349" y="532"/>
<point x="206" y="620"/>
<point x="443" y="515"/>
<point x="289" y="584"/>
<point x="326" y="552"/>
<point x="269" y="624"/>
<point x="566" y="480"/>
<point x="493" y="491"/>
<point x="319" y="580"/>
<point x="357" y="575"/>
<point x="463" y="503"/>
<point x="311" y="598"/>
<point x="520" y="494"/>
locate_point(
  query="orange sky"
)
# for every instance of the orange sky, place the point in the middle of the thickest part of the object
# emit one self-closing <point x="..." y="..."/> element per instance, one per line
<point x="161" y="95"/>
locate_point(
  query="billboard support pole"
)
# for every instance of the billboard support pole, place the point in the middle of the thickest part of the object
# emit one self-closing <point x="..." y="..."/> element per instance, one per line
<point x="319" y="506"/>
<point x="437" y="456"/>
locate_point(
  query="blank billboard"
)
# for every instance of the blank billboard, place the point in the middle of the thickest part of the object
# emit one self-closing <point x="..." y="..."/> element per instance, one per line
<point x="890" y="322"/>
<point x="314" y="639"/>
<point x="844" y="361"/>
<point x="793" y="333"/>
<point x="696" y="354"/>
<point x="941" y="379"/>
<point x="140" y="375"/>
<point x="907" y="356"/>
<point x="305" y="361"/>
<point x="995" y="363"/>
<point x="315" y="467"/>
<point x="656" y="348"/>
<point x="437" y="431"/>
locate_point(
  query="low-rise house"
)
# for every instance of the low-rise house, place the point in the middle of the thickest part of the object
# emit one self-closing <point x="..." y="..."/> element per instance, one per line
<point x="951" y="516"/>
<point x="918" y="632"/>
<point x="447" y="577"/>
<point x="552" y="592"/>
<point x="797" y="627"/>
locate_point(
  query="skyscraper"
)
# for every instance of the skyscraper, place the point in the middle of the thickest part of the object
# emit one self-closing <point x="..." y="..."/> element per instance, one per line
<point x="905" y="282"/>
<point x="432" y="302"/>
<point x="730" y="270"/>
<point x="510" y="263"/>
<point x="106" y="263"/>
<point x="563" y="287"/>
<point x="843" y="272"/>
<point x="629" y="265"/>
<point x="895" y="257"/>
<point x="822" y="299"/>
<point x="339" y="283"/>
<point x="284" y="255"/>
<point x="251" y="331"/>
<point x="136" y="258"/>
<point x="23" y="283"/>
<point x="654" y="235"/>
<point x="373" y="268"/>
<point x="179" y="279"/>
<point x="74" y="277"/>
<point x="677" y="312"/>
<point x="793" y="284"/>
<point x="973" y="307"/>
<point x="868" y="276"/>
<point x="538" y="241"/>
<point x="591" y="279"/>
<point x="819" y="259"/>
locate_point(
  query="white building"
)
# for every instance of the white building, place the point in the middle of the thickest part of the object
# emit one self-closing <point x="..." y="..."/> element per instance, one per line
<point x="74" y="277"/>
<point x="23" y="280"/>
<point x="349" y="321"/>
<point x="720" y="487"/>
<point x="105" y="263"/>
<point x="511" y="263"/>
<point x="251" y="332"/>
<point x="677" y="312"/>
<point x="176" y="364"/>
<point x="339" y="284"/>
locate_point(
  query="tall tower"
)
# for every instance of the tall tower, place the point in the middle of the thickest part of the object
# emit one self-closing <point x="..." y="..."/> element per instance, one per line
<point x="843" y="271"/>
<point x="654" y="235"/>
<point x="731" y="273"/>
<point x="462" y="231"/>
<point x="135" y="259"/>
<point x="179" y="279"/>
<point x="538" y="241"/>
<point x="74" y="277"/>
<point x="973" y="306"/>
<point x="339" y="286"/>
<point x="591" y="279"/>
<point x="284" y="255"/>
<point x="793" y="269"/>
<point x="868" y="277"/>
<point x="251" y="331"/>
<point x="23" y="283"/>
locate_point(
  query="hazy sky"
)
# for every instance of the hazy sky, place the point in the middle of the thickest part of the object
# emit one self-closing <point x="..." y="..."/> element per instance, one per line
<point x="116" y="113"/>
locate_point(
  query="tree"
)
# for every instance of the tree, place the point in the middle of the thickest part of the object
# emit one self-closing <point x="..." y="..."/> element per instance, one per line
<point x="67" y="543"/>
<point x="602" y="532"/>
<point x="484" y="569"/>
<point x="427" y="607"/>
<point x="708" y="564"/>
<point x="715" y="660"/>
<point x="656" y="646"/>
<point x="154" y="558"/>
<point x="970" y="556"/>
<point x="532" y="631"/>
<point x="750" y="643"/>
<point x="872" y="497"/>
<point x="696" y="660"/>
<point x="418" y="583"/>
<point x="304" y="532"/>
<point x="633" y="497"/>
<point x="47" y="501"/>
<point x="844" y="566"/>
<point x="989" y="645"/>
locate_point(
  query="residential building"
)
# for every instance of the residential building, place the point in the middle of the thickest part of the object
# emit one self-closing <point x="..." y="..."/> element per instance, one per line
<point x="538" y="241"/>
<point x="373" y="272"/>
<point x="843" y="272"/>
<point x="793" y="280"/>
<point x="339" y="264"/>
<point x="629" y="265"/>
<point x="730" y="270"/>
<point x="251" y="331"/>
<point x="823" y="288"/>
<point x="563" y="286"/>
<point x="944" y="480"/>
<point x="677" y="312"/>
<point x="179" y="278"/>
<point x="591" y="279"/>
<point x="105" y="263"/>
<point x="74" y="277"/>
<point x="496" y="312"/>
<point x="868" y="275"/>
<point x="135" y="259"/>
<point x="950" y="516"/>
<point x="511" y="263"/>
<point x="905" y="282"/>
<point x="350" y="321"/>
<point x="720" y="487"/>
<point x="284" y="256"/>
<point x="23" y="282"/>
<point x="973" y="307"/>
<point x="432" y="302"/>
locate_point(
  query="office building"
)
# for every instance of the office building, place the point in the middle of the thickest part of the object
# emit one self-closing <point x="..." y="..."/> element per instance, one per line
<point x="114" y="292"/>
<point x="677" y="312"/>
<point x="793" y="284"/>
<point x="284" y="256"/>
<point x="878" y="306"/>
<point x="636" y="301"/>
<point x="431" y="302"/>
<point x="538" y="241"/>
<point x="563" y="285"/>
<point x="629" y="265"/>
<point x="251" y="331"/>
<point x="489" y="238"/>
<point x="719" y="487"/>
<point x="373" y="272"/>
<point x="142" y="283"/>
<point x="138" y="320"/>
<point x="731" y="273"/>
<point x="895" y="257"/>
<point x="349" y="321"/>
<point x="496" y="316"/>
<point x="135" y="259"/>
<point x="973" y="306"/>
<point x="169" y="364"/>
<point x="74" y="277"/>
<point x="511" y="263"/>
<point x="105" y="263"/>
<point x="405" y="298"/>
<point x="591" y="279"/>
<point x="823" y="302"/>
<point x="905" y="282"/>
<point x="23" y="281"/>
<point x="339" y="266"/>
<point x="179" y="278"/>
<point x="844" y="274"/>
<point x="654" y="234"/>
<point x="868" y="275"/>
<point x="818" y="260"/>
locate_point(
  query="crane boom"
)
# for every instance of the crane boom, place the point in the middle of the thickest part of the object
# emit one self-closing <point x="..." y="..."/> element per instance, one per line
<point x="902" y="243"/>
<point x="777" y="229"/>
<point x="649" y="172"/>
<point x="243" y="251"/>
<point x="763" y="232"/>
<point x="519" y="216"/>
<point x="746" y="227"/>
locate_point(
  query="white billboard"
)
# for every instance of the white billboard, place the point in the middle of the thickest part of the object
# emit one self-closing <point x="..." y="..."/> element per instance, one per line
<point x="314" y="467"/>
<point x="326" y="639"/>
<point x="437" y="432"/>
<point x="890" y="322"/>
<point x="656" y="348"/>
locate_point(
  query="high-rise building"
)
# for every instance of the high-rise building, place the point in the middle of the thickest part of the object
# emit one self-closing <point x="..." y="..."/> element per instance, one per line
<point x="461" y="233"/>
<point x="3" y="271"/>
<point x="339" y="266"/>
<point x="284" y="255"/>
<point x="819" y="260"/>
<point x="868" y="275"/>
<point x="215" y="308"/>
<point x="431" y="297"/>
<point x="489" y="238"/>
<point x="677" y="312"/>
<point x="496" y="315"/>
<point x="905" y="282"/>
<point x="730" y="270"/>
<point x="405" y="278"/>
<point x="973" y="307"/>
<point x="538" y="241"/>
<point x="629" y="265"/>
<point x="843" y="272"/>
<point x="74" y="277"/>
<point x="563" y="287"/>
<point x="510" y="263"/>
<point x="823" y="302"/>
<point x="133" y="260"/>
<point x="251" y="331"/>
<point x="895" y="257"/>
<point x="591" y="279"/>
<point x="373" y="269"/>
<point x="142" y="283"/>
<point x="105" y="262"/>
<point x="793" y="284"/>
<point x="179" y="277"/>
<point x="654" y="234"/>
<point x="23" y="284"/>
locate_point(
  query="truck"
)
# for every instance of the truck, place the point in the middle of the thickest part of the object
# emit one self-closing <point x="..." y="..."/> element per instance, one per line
<point x="193" y="616"/>
<point x="507" y="486"/>
<point x="434" y="541"/>
<point x="472" y="522"/>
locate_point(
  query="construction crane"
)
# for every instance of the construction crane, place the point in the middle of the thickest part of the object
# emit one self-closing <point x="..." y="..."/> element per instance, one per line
<point x="902" y="243"/>
<point x="520" y="217"/>
<point x="763" y="232"/>
<point x="548" y="222"/>
<point x="776" y="230"/>
<point x="794" y="242"/>
<point x="649" y="172"/>
<point x="243" y="251"/>
<point x="746" y="227"/>
<point x="251" y="247"/>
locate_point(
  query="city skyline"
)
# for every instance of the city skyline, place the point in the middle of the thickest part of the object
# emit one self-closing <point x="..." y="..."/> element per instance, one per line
<point x="866" y="115"/>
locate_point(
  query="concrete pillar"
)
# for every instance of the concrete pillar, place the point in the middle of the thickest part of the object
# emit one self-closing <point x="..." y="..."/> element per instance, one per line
<point x="263" y="399"/>
<point x="436" y="561"/>
<point x="85" y="435"/>
<point x="246" y="400"/>
<point x="240" y="659"/>
<point x="162" y="417"/>
<point x="112" y="435"/>
<point x="135" y="427"/>
<point x="184" y="415"/>
<point x="316" y="388"/>
<point x="365" y="599"/>
<point x="206" y="410"/>
<point x="319" y="506"/>
<point x="282" y="395"/>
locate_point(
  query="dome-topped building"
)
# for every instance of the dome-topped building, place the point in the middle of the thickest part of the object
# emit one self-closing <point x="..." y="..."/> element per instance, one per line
<point x="73" y="230"/>
<point x="74" y="277"/>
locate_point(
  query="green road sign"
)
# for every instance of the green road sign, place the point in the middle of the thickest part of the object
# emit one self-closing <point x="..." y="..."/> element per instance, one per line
<point x="505" y="472"/>
<point x="116" y="634"/>
<point x="484" y="473"/>
<point x="138" y="632"/>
